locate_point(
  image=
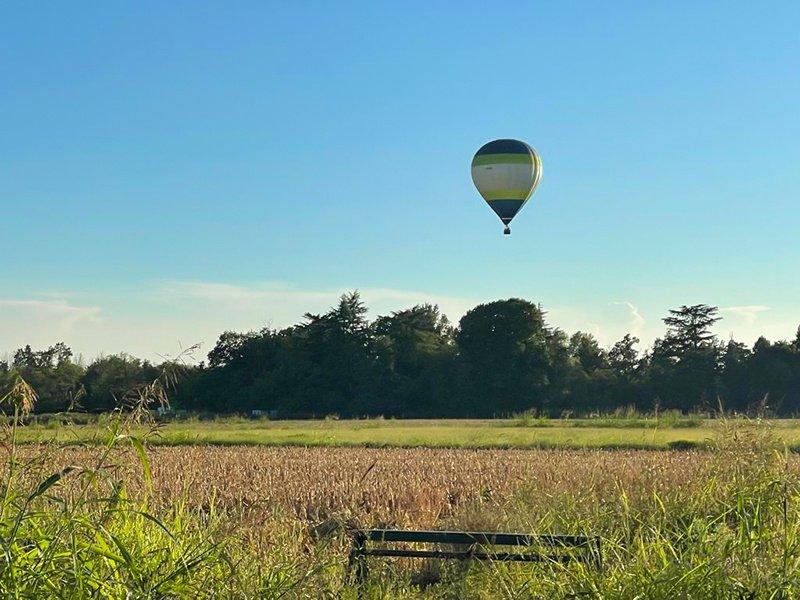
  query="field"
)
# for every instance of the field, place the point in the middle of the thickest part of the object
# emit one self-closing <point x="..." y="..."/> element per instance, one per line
<point x="389" y="486"/>
<point x="602" y="433"/>
<point x="122" y="517"/>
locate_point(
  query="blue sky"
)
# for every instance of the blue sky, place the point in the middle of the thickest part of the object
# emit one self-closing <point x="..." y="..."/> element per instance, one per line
<point x="171" y="170"/>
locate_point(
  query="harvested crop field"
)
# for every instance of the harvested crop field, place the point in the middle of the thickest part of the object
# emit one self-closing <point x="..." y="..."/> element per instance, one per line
<point x="269" y="522"/>
<point x="409" y="487"/>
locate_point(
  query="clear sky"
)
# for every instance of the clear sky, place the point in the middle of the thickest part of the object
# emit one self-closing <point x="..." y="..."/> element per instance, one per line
<point x="169" y="170"/>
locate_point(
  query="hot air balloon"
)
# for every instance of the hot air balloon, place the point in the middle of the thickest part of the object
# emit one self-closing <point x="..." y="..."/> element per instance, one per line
<point x="506" y="173"/>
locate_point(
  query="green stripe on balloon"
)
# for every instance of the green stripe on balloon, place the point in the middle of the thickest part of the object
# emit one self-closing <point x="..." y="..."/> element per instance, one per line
<point x="506" y="173"/>
<point x="506" y="194"/>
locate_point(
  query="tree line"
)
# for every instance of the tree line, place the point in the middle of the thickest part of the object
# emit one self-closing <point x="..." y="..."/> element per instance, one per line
<point x="501" y="358"/>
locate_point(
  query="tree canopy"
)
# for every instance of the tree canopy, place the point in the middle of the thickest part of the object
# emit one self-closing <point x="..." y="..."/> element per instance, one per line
<point x="501" y="358"/>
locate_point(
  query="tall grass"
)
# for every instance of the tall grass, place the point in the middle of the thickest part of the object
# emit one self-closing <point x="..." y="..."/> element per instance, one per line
<point x="620" y="418"/>
<point x="102" y="522"/>
<point x="732" y="530"/>
<point x="77" y="533"/>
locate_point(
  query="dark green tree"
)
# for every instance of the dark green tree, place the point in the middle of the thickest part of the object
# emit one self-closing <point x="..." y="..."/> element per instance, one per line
<point x="689" y="329"/>
<point x="587" y="351"/>
<point x="592" y="381"/>
<point x="504" y="357"/>
<point x="774" y="376"/>
<point x="416" y="348"/>
<point x="247" y="371"/>
<point x="624" y="358"/>
<point x="230" y="347"/>
<point x="337" y="354"/>
<point x="686" y="362"/>
<point x="735" y="378"/>
<point x="52" y="373"/>
<point x="109" y="379"/>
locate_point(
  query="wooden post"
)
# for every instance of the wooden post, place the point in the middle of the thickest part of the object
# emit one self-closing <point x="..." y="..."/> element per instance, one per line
<point x="358" y="559"/>
<point x="598" y="553"/>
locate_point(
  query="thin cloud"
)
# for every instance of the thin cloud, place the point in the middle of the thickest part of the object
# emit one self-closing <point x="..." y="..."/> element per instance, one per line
<point x="748" y="313"/>
<point x="33" y="321"/>
<point x="284" y="304"/>
<point x="637" y="320"/>
<point x="244" y="298"/>
<point x="151" y="320"/>
<point x="53" y="309"/>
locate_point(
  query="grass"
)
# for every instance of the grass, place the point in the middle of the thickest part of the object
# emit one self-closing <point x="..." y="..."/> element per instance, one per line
<point x="603" y="433"/>
<point x="121" y="519"/>
<point x="233" y="522"/>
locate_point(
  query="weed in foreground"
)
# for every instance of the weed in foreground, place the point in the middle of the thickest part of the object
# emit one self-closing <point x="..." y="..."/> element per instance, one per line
<point x="109" y="523"/>
<point x="77" y="533"/>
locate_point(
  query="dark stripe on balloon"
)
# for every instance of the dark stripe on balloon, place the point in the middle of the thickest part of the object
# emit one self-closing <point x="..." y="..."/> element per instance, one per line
<point x="504" y="147"/>
<point x="506" y="209"/>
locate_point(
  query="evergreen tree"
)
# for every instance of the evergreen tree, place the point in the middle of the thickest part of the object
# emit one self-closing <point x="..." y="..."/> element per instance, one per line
<point x="686" y="362"/>
<point x="624" y="358"/>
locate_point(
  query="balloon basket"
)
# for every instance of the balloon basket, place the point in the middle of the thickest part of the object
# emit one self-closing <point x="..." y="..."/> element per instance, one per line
<point x="507" y="231"/>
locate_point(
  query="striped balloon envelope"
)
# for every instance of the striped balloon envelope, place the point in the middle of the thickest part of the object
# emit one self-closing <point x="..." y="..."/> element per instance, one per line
<point x="506" y="173"/>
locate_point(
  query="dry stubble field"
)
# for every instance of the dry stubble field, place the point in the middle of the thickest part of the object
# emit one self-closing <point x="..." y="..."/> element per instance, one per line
<point x="415" y="487"/>
<point x="244" y="521"/>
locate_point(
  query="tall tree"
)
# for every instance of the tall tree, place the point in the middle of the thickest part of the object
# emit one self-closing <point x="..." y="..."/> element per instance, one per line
<point x="774" y="376"/>
<point x="52" y="373"/>
<point x="338" y="354"/>
<point x="624" y="358"/>
<point x="416" y="347"/>
<point x="503" y="351"/>
<point x="689" y="328"/>
<point x="587" y="351"/>
<point x="108" y="379"/>
<point x="229" y="348"/>
<point x="686" y="361"/>
<point x="735" y="378"/>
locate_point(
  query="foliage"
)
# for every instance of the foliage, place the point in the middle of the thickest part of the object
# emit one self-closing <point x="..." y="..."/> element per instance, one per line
<point x="109" y="378"/>
<point x="685" y="363"/>
<point x="503" y="354"/>
<point x="501" y="359"/>
<point x="75" y="531"/>
<point x="52" y="372"/>
<point x="274" y="522"/>
<point x="119" y="520"/>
